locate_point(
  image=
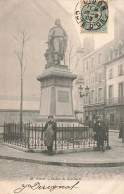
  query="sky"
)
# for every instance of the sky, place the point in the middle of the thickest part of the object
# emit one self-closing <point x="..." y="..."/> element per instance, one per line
<point x="37" y="19"/>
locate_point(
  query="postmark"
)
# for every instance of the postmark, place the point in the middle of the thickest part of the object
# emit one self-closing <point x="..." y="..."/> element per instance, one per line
<point x="92" y="15"/>
<point x="77" y="13"/>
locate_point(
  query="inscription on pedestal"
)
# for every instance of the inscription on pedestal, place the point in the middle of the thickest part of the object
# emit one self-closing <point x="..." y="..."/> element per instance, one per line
<point x="63" y="96"/>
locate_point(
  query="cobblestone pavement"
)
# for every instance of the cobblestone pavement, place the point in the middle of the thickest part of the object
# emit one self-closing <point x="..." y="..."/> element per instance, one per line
<point x="12" y="170"/>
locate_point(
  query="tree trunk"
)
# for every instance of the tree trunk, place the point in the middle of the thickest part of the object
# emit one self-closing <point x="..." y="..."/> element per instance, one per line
<point x="21" y="104"/>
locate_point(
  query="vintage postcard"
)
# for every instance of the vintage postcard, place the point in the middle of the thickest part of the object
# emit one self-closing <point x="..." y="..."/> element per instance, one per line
<point x="61" y="96"/>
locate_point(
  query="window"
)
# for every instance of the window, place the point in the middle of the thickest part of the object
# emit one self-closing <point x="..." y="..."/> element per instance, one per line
<point x="92" y="62"/>
<point x="84" y="68"/>
<point x="87" y="82"/>
<point x="121" y="91"/>
<point x="92" y="79"/>
<point x="99" y="94"/>
<point x="100" y="77"/>
<point x="120" y="69"/>
<point x="110" y="73"/>
<point x="111" y="54"/>
<point x="112" y="119"/>
<point x="120" y="48"/>
<point x="96" y="79"/>
<point x="115" y="52"/>
<point x="100" y="58"/>
<point x="95" y="95"/>
<point x="110" y="91"/>
<point x="87" y="118"/>
<point x="87" y="65"/>
<point x="92" y="96"/>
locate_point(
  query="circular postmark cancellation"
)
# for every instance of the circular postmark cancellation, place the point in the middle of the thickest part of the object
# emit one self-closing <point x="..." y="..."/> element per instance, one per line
<point x="77" y="13"/>
<point x="92" y="16"/>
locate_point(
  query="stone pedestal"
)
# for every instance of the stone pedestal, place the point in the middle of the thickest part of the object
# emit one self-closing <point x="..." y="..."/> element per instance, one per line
<point x="56" y="94"/>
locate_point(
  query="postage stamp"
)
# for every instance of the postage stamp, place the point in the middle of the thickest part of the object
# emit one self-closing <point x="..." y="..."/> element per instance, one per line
<point x="92" y="15"/>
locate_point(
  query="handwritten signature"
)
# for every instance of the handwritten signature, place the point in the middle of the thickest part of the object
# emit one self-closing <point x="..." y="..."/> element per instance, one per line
<point x="38" y="186"/>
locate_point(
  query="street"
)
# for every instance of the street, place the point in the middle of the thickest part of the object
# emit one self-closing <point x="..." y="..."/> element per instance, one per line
<point x="14" y="170"/>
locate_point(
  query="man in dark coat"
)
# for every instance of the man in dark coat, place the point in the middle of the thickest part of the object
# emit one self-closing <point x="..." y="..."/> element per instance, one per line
<point x="50" y="133"/>
<point x="100" y="133"/>
<point x="121" y="132"/>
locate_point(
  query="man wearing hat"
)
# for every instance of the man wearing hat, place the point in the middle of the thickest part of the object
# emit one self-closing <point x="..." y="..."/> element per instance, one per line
<point x="50" y="132"/>
<point x="100" y="133"/>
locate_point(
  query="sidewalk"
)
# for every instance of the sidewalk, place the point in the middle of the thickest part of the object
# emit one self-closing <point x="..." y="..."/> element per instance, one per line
<point x="109" y="158"/>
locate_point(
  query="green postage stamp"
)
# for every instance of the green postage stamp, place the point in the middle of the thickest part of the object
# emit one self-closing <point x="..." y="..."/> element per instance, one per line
<point x="93" y="16"/>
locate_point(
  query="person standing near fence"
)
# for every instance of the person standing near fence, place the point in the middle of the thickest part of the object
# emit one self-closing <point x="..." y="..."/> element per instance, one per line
<point x="100" y="130"/>
<point x="121" y="132"/>
<point x="50" y="133"/>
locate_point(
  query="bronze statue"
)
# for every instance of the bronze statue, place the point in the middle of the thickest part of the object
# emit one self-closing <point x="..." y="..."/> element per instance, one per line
<point x="57" y="43"/>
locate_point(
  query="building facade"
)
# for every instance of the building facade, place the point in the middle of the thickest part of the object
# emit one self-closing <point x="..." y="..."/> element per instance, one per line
<point x="114" y="108"/>
<point x="103" y="73"/>
<point x="94" y="76"/>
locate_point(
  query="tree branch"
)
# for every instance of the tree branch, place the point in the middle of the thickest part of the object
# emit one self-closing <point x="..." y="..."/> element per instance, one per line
<point x="17" y="39"/>
<point x="18" y="56"/>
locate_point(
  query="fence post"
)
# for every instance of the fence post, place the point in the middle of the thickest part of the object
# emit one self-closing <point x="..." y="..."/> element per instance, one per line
<point x="55" y="139"/>
<point x="62" y="135"/>
<point x="12" y="134"/>
<point x="84" y="136"/>
<point x="78" y="135"/>
<point x="4" y="132"/>
<point x="29" y="136"/>
<point x="67" y="127"/>
<point x="89" y="136"/>
<point x="35" y="137"/>
<point x="25" y="128"/>
<point x="73" y="135"/>
<point x="15" y="134"/>
<point x="42" y="138"/>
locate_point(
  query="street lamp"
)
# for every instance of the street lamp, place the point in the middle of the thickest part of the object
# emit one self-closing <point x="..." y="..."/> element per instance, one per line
<point x="81" y="91"/>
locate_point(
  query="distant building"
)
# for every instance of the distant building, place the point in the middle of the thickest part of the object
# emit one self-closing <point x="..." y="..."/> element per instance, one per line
<point x="94" y="78"/>
<point x="103" y="73"/>
<point x="10" y="106"/>
<point x="114" y="108"/>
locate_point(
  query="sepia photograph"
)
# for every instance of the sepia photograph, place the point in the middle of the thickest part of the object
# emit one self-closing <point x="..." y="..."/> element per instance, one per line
<point x="62" y="96"/>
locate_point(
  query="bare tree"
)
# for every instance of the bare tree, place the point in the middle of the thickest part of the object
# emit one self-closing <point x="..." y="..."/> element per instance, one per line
<point x="21" y="39"/>
<point x="72" y="54"/>
<point x="76" y="64"/>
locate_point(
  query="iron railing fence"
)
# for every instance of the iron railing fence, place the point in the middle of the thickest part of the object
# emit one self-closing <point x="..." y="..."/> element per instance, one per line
<point x="66" y="137"/>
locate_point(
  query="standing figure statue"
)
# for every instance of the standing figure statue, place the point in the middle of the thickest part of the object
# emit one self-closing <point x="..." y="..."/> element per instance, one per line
<point x="57" y="43"/>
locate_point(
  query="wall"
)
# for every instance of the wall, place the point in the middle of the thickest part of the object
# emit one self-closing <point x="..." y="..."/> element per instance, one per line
<point x="13" y="115"/>
<point x="116" y="79"/>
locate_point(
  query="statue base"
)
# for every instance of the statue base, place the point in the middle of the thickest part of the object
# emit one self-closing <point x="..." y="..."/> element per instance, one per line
<point x="56" y="94"/>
